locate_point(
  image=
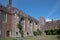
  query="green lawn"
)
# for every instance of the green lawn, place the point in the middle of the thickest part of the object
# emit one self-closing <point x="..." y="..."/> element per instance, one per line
<point x="7" y="39"/>
<point x="48" y="37"/>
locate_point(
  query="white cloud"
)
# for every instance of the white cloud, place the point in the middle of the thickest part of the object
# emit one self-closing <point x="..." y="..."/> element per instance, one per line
<point x="54" y="9"/>
<point x="48" y="20"/>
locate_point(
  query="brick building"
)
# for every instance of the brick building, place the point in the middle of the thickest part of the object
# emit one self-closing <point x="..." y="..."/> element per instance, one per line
<point x="9" y="20"/>
<point x="54" y="24"/>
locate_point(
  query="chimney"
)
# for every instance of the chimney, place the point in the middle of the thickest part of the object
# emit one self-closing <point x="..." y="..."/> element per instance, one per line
<point x="10" y="3"/>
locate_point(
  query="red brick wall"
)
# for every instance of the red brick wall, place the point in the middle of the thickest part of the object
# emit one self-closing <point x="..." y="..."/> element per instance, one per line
<point x="7" y="26"/>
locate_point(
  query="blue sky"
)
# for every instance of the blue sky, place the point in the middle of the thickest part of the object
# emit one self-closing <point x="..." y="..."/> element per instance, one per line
<point x="49" y="9"/>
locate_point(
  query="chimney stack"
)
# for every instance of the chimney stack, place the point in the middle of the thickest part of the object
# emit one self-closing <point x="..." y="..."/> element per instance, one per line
<point x="10" y="3"/>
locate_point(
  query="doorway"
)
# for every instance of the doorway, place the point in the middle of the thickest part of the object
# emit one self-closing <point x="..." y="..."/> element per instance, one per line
<point x="8" y="33"/>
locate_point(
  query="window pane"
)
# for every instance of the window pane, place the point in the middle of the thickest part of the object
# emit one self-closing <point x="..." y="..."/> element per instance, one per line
<point x="4" y="17"/>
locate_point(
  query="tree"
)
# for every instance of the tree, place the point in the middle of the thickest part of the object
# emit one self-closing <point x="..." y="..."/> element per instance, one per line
<point x="20" y="27"/>
<point x="38" y="32"/>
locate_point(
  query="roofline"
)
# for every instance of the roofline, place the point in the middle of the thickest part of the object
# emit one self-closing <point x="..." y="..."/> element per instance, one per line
<point x="5" y="9"/>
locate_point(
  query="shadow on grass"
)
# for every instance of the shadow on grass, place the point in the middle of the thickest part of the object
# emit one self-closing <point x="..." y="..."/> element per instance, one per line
<point x="58" y="37"/>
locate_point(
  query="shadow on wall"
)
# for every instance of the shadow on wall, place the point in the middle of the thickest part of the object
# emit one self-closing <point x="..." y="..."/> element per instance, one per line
<point x="58" y="37"/>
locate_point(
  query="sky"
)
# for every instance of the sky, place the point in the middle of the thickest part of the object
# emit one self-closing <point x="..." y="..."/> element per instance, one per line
<point x="48" y="9"/>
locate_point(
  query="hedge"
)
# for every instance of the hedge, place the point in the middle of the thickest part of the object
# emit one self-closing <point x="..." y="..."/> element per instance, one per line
<point x="53" y="32"/>
<point x="38" y="32"/>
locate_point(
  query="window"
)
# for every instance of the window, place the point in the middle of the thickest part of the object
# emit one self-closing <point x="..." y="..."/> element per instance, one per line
<point x="0" y="32"/>
<point x="4" y="18"/>
<point x="27" y="33"/>
<point x="0" y="13"/>
<point x="16" y="33"/>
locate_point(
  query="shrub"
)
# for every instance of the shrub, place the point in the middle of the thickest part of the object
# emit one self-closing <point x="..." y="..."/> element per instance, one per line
<point x="58" y="31"/>
<point x="48" y="32"/>
<point x="35" y="33"/>
<point x="20" y="27"/>
<point x="53" y="32"/>
<point x="38" y="32"/>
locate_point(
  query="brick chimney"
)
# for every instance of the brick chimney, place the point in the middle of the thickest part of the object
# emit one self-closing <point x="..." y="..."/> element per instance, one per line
<point x="9" y="3"/>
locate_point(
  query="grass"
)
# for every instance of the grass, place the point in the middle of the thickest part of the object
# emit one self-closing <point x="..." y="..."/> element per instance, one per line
<point x="47" y="37"/>
<point x="7" y="39"/>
